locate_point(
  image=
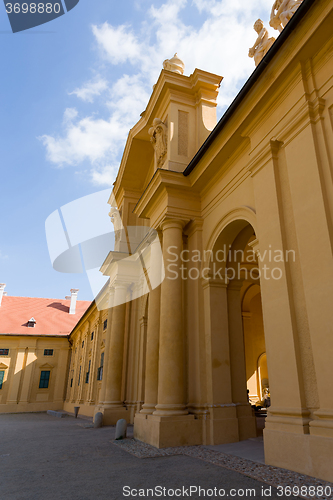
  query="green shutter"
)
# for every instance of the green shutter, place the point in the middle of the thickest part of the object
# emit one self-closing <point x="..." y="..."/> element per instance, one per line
<point x="2" y="375"/>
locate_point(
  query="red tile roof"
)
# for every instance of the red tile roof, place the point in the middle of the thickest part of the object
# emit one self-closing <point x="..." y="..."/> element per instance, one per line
<point x="51" y="315"/>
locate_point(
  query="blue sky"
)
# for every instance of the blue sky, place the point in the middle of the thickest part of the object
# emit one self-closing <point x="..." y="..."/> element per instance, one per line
<point x="70" y="91"/>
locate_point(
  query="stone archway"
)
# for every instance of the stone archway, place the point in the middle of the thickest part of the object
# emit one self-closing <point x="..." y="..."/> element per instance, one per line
<point x="233" y="270"/>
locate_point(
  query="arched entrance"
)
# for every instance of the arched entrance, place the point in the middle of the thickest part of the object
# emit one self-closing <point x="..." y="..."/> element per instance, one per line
<point x="234" y="268"/>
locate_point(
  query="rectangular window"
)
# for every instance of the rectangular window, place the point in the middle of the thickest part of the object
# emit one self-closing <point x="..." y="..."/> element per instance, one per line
<point x="105" y="324"/>
<point x="2" y="376"/>
<point x="4" y="352"/>
<point x="71" y="382"/>
<point x="88" y="373"/>
<point x="44" y="379"/>
<point x="82" y="344"/>
<point x="48" y="352"/>
<point x="79" y="376"/>
<point x="100" y="369"/>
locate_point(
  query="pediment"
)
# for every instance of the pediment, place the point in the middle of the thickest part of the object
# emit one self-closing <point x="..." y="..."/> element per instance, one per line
<point x="47" y="365"/>
<point x="3" y="366"/>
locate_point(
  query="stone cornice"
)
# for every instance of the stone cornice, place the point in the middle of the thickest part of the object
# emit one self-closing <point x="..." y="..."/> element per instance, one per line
<point x="165" y="185"/>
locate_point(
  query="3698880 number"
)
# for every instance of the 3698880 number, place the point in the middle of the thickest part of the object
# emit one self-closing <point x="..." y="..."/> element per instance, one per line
<point x="33" y="8"/>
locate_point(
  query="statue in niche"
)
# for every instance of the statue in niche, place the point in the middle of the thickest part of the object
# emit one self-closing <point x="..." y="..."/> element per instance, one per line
<point x="262" y="43"/>
<point x="282" y="12"/>
<point x="116" y="221"/>
<point x="158" y="133"/>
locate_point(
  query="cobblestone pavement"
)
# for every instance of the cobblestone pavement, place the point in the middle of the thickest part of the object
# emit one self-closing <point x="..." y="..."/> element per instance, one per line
<point x="46" y="458"/>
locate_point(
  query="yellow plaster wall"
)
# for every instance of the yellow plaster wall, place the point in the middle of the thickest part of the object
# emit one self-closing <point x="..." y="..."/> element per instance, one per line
<point x="20" y="391"/>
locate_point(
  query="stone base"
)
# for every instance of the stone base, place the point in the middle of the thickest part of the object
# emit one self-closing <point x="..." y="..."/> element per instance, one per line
<point x="247" y="427"/>
<point x="221" y="431"/>
<point x="112" y="415"/>
<point x="304" y="453"/>
<point x="229" y="424"/>
<point x="164" y="432"/>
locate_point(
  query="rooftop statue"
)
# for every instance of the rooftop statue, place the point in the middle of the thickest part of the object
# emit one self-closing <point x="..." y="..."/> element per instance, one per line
<point x="282" y="12"/>
<point x="174" y="64"/>
<point x="262" y="43"/>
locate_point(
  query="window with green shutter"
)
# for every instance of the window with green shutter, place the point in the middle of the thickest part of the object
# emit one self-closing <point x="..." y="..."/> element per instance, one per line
<point x="2" y="375"/>
<point x="44" y="379"/>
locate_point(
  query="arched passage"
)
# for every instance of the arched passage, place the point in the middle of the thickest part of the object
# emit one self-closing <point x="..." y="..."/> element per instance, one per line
<point x="232" y="285"/>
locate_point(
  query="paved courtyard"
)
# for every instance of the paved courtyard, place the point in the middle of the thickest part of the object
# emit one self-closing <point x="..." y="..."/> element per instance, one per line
<point x="47" y="458"/>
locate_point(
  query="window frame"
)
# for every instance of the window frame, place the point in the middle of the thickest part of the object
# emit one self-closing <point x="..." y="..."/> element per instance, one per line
<point x="100" y="368"/>
<point x="45" y="379"/>
<point x="49" y="350"/>
<point x="88" y="372"/>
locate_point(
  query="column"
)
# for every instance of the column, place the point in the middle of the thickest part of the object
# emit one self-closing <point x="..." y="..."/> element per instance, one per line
<point x="75" y="368"/>
<point x="153" y="330"/>
<point x="61" y="370"/>
<point x="93" y="371"/>
<point x="287" y="423"/>
<point x="170" y="424"/>
<point x="113" y="407"/>
<point x="222" y="425"/>
<point x="171" y="397"/>
<point x="28" y="372"/>
<point x="81" y="387"/>
<point x="16" y="377"/>
<point x="246" y="421"/>
<point x="107" y="346"/>
<point x="141" y="364"/>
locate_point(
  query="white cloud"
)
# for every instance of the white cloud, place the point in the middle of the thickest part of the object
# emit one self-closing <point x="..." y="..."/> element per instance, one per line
<point x="91" y="89"/>
<point x="3" y="256"/>
<point x="105" y="176"/>
<point x="96" y="140"/>
<point x="218" y="43"/>
<point x="119" y="43"/>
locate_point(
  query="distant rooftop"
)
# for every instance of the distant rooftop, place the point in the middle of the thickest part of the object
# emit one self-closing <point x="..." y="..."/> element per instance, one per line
<point x="51" y="315"/>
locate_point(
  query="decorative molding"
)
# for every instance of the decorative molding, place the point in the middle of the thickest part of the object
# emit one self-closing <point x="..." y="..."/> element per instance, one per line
<point x="46" y="365"/>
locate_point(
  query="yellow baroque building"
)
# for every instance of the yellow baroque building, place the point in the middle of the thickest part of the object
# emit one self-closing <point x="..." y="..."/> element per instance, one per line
<point x="242" y="210"/>
<point x="34" y="350"/>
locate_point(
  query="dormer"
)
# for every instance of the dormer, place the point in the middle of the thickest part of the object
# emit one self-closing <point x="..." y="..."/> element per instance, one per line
<point x="31" y="323"/>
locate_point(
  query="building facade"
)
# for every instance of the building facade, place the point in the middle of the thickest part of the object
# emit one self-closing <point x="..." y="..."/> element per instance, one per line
<point x="34" y="351"/>
<point x="243" y="213"/>
<point x="221" y="278"/>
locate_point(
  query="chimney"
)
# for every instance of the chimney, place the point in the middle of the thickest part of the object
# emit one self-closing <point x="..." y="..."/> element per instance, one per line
<point x="2" y="291"/>
<point x="73" y="298"/>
